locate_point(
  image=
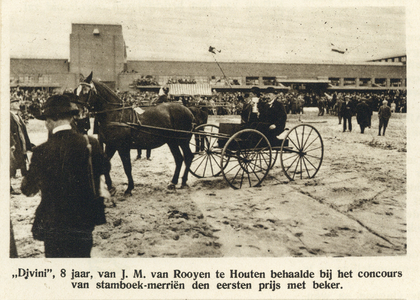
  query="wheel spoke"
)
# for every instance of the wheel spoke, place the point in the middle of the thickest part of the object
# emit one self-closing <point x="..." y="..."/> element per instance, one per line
<point x="306" y="167"/>
<point x="296" y="146"/>
<point x="215" y="160"/>
<point x="297" y="165"/>
<point x="320" y="147"/>
<point x="309" y="135"/>
<point x="297" y="139"/>
<point x="242" y="178"/>
<point x="235" y="166"/>
<point x="311" y="143"/>
<point x="291" y="156"/>
<point x="203" y="158"/>
<point x="297" y="157"/>
<point x="310" y="162"/>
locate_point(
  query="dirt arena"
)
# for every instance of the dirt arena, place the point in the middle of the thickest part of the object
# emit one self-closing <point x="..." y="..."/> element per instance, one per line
<point x="355" y="206"/>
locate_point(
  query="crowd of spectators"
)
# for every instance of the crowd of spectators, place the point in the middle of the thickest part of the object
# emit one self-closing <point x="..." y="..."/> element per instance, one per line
<point x="29" y="101"/>
<point x="181" y="80"/>
<point x="147" y="80"/>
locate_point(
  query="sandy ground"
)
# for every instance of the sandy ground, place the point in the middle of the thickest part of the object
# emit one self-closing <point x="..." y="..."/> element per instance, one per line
<point x="355" y="206"/>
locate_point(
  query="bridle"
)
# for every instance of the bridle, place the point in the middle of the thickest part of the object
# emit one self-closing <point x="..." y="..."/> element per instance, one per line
<point x="93" y="91"/>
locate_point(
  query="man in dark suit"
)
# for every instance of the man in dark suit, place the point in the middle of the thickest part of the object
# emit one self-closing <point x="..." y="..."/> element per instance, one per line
<point x="67" y="170"/>
<point x="272" y="116"/>
<point x="347" y="112"/>
<point x="363" y="114"/>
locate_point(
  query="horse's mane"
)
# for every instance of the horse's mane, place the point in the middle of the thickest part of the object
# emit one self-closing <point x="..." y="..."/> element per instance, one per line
<point x="106" y="92"/>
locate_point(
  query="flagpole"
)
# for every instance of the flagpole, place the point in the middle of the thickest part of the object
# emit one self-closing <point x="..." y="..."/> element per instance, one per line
<point x="221" y="70"/>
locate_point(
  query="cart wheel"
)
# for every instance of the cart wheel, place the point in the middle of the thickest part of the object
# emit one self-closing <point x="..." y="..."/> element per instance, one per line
<point x="207" y="156"/>
<point x="302" y="152"/>
<point x="247" y="158"/>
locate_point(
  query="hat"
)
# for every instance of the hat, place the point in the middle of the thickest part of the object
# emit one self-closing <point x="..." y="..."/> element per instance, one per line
<point x="59" y="105"/>
<point x="346" y="96"/>
<point x="270" y="90"/>
<point x="384" y="102"/>
<point x="255" y="90"/>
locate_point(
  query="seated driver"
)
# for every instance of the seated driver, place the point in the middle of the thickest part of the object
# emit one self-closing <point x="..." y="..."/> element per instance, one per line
<point x="272" y="116"/>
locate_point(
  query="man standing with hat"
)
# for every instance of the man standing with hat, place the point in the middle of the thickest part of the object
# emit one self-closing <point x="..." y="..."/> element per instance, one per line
<point x="272" y="116"/>
<point x="347" y="111"/>
<point x="384" y="113"/>
<point x="67" y="170"/>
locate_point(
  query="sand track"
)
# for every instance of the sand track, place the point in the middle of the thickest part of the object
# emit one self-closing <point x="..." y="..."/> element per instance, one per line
<point x="355" y="206"/>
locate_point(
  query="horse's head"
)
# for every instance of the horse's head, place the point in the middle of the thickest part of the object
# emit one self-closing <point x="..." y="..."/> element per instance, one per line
<point x="86" y="92"/>
<point x="96" y="95"/>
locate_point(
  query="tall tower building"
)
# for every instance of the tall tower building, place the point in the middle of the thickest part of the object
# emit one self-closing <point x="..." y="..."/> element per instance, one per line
<point x="98" y="48"/>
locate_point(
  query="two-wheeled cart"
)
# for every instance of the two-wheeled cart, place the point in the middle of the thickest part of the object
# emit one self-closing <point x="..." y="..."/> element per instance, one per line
<point x="244" y="155"/>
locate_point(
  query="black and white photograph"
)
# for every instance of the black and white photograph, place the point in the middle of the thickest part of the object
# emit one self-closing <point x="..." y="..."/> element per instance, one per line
<point x="208" y="130"/>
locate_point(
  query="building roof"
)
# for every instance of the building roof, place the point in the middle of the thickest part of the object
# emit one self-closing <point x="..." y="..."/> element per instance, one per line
<point x="202" y="89"/>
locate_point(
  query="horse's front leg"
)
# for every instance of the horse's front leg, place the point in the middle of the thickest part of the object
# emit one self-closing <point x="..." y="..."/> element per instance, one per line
<point x="124" y="153"/>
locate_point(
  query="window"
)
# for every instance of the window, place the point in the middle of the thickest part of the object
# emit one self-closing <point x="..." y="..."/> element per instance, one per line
<point x="365" y="82"/>
<point x="334" y="81"/>
<point x="349" y="81"/>
<point x="252" y="81"/>
<point x="396" y="82"/>
<point x="269" y="80"/>
<point x="380" y="82"/>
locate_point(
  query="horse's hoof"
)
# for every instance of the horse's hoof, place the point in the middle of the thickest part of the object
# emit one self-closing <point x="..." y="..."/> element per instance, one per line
<point x="185" y="186"/>
<point x="112" y="191"/>
<point x="171" y="186"/>
<point x="127" y="194"/>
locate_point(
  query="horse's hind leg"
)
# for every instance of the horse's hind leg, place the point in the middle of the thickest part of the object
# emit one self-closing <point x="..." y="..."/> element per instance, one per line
<point x="188" y="158"/>
<point x="125" y="158"/>
<point x="173" y="146"/>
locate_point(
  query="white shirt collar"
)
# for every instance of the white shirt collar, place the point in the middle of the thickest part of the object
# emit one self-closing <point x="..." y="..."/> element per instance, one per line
<point x="61" y="128"/>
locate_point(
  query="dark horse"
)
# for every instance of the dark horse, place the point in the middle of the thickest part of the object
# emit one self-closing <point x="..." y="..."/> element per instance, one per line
<point x="122" y="128"/>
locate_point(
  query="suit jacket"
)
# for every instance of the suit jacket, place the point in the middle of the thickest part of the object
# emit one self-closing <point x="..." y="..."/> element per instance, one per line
<point x="59" y="169"/>
<point x="348" y="110"/>
<point x="363" y="113"/>
<point x="19" y="140"/>
<point x="276" y="114"/>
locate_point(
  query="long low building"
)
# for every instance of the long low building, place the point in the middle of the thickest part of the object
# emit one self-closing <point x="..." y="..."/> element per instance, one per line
<point x="101" y="48"/>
